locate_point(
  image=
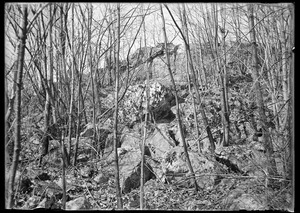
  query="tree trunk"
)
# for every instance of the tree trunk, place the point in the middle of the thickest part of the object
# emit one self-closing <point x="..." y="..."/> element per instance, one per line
<point x="17" y="142"/>
<point x="291" y="174"/>
<point x="112" y="59"/>
<point x="96" y="143"/>
<point x="259" y="96"/>
<point x="177" y="103"/>
<point x="221" y="76"/>
<point x="70" y="119"/>
<point x="225" y="84"/>
<point x="194" y="80"/>
<point x="49" y="80"/>
<point x="116" y="142"/>
<point x="51" y="64"/>
<point x="147" y="66"/>
<point x="195" y="110"/>
<point x="64" y="158"/>
<point x="10" y="100"/>
<point x="284" y="56"/>
<point x="78" y="91"/>
<point x="7" y="125"/>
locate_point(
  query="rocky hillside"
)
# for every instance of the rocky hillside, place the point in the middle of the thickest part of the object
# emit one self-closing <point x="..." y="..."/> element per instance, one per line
<point x="233" y="178"/>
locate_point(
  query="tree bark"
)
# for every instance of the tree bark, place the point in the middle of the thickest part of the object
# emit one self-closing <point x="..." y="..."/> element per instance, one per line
<point x="284" y="56"/>
<point x="49" y="82"/>
<point x="51" y="61"/>
<point x="17" y="142"/>
<point x="147" y="67"/>
<point x="116" y="142"/>
<point x="291" y="174"/>
<point x="79" y="76"/>
<point x="63" y="158"/>
<point x="177" y="103"/>
<point x="70" y="117"/>
<point x="194" y="80"/>
<point x="221" y="75"/>
<point x="259" y="96"/>
<point x="226" y="111"/>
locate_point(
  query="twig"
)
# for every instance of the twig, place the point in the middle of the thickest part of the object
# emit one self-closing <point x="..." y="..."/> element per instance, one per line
<point x="92" y="197"/>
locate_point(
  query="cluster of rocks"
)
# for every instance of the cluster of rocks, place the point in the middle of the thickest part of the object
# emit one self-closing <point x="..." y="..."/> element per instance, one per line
<point x="164" y="154"/>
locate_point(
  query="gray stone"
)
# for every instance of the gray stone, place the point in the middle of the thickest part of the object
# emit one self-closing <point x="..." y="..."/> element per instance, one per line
<point x="78" y="203"/>
<point x="130" y="170"/>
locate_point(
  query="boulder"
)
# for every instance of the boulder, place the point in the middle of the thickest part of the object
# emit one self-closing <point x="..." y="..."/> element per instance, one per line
<point x="130" y="140"/>
<point x="130" y="160"/>
<point x="101" y="178"/>
<point x="161" y="99"/>
<point x="239" y="198"/>
<point x="130" y="170"/>
<point x="246" y="202"/>
<point x="33" y="201"/>
<point x="176" y="167"/>
<point x="89" y="131"/>
<point x="104" y="138"/>
<point x="158" y="146"/>
<point x="160" y="141"/>
<point x="78" y="204"/>
<point x="248" y="159"/>
<point x="164" y="156"/>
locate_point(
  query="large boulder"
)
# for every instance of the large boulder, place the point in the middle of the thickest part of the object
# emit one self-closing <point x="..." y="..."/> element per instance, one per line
<point x="165" y="159"/>
<point x="79" y="203"/>
<point x="130" y="170"/>
<point x="246" y="159"/>
<point x="176" y="169"/>
<point x="157" y="145"/>
<point x="160" y="141"/>
<point x="161" y="99"/>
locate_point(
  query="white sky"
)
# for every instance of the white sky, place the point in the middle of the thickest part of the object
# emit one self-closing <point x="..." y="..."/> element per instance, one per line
<point x="153" y="24"/>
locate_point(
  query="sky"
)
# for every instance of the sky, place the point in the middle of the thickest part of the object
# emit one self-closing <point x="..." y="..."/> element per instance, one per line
<point x="153" y="24"/>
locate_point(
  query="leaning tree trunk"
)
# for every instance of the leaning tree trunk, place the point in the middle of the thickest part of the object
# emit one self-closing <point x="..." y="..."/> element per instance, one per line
<point x="17" y="142"/>
<point x="194" y="80"/>
<point x="262" y="121"/>
<point x="226" y="111"/>
<point x="177" y="104"/>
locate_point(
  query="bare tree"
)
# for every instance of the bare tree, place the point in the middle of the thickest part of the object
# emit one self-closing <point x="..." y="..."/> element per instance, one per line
<point x="219" y="66"/>
<point x="10" y="97"/>
<point x="116" y="142"/>
<point x="259" y="97"/>
<point x="177" y="103"/>
<point x="70" y="117"/>
<point x="63" y="166"/>
<point x="17" y="141"/>
<point x="148" y="70"/>
<point x="194" y="80"/>
<point x="49" y="79"/>
<point x="224" y="80"/>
